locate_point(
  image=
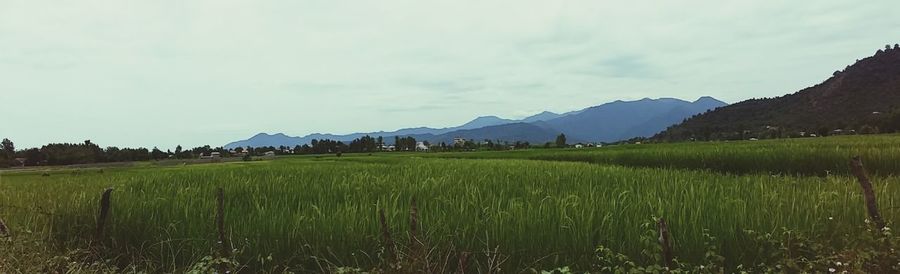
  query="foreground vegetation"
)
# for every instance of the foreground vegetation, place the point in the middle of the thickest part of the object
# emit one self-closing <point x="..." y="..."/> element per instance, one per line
<point x="802" y="156"/>
<point x="321" y="214"/>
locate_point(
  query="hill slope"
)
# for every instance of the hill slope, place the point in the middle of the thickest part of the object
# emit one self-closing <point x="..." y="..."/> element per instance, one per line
<point x="621" y="120"/>
<point x="604" y="123"/>
<point x="506" y="132"/>
<point x="864" y="94"/>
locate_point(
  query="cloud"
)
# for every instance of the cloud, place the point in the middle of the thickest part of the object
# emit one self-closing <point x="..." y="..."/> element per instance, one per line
<point x="624" y="66"/>
<point x="162" y="73"/>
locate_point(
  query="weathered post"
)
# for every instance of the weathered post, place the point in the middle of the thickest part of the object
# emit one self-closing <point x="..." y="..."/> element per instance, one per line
<point x="666" y="242"/>
<point x="463" y="262"/>
<point x="220" y="224"/>
<point x="104" y="213"/>
<point x="417" y="246"/>
<point x="859" y="171"/>
<point x="4" y="230"/>
<point x="386" y="236"/>
<point x="414" y="220"/>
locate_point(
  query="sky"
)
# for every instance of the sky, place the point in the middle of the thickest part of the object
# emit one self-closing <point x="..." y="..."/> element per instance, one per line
<point x="169" y="72"/>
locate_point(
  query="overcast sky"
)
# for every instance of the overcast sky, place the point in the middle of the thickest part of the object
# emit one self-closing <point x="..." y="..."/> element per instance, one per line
<point x="162" y="73"/>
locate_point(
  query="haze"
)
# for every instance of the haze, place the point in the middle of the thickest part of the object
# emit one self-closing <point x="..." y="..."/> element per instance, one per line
<point x="163" y="73"/>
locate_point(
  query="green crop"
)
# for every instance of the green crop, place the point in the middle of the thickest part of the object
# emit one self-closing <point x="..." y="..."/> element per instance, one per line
<point x="300" y="213"/>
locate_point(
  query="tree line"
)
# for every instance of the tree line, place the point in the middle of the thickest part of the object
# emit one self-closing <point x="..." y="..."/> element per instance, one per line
<point x="89" y="153"/>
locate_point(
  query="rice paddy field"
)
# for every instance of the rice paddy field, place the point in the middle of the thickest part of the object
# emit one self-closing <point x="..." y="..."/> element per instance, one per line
<point x="780" y="205"/>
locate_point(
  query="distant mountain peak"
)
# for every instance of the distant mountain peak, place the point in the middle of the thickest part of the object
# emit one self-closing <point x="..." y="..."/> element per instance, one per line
<point x="708" y="99"/>
<point x="606" y="122"/>
<point x="487" y="117"/>
<point x="540" y="117"/>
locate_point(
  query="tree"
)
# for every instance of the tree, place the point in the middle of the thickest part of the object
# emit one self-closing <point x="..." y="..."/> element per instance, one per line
<point x="561" y="140"/>
<point x="5" y="149"/>
<point x="8" y="148"/>
<point x="178" y="151"/>
<point x="157" y="154"/>
<point x="405" y="143"/>
<point x="867" y="129"/>
<point x="34" y="157"/>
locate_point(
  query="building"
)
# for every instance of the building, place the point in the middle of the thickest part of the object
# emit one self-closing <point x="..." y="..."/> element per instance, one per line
<point x="269" y="155"/>
<point x="459" y="141"/>
<point x="420" y="146"/>
<point x="212" y="155"/>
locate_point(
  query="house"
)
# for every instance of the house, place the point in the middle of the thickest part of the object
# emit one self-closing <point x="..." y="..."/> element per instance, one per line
<point x="269" y="155"/>
<point x="212" y="155"/>
<point x="458" y="141"/>
<point x="579" y="146"/>
<point x="20" y="161"/>
<point x="387" y="148"/>
<point x="420" y="146"/>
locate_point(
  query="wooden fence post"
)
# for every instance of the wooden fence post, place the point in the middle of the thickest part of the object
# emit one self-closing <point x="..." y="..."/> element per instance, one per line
<point x="418" y="255"/>
<point x="463" y="262"/>
<point x="104" y="213"/>
<point x="666" y="242"/>
<point x="868" y="191"/>
<point x="413" y="219"/>
<point x="4" y="230"/>
<point x="220" y="224"/>
<point x="386" y="236"/>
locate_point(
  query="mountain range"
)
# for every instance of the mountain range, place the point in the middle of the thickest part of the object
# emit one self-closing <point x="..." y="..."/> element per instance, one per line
<point x="863" y="97"/>
<point x="608" y="122"/>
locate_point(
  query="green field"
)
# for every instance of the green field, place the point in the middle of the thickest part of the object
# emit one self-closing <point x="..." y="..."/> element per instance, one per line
<point x="805" y="156"/>
<point x="786" y="203"/>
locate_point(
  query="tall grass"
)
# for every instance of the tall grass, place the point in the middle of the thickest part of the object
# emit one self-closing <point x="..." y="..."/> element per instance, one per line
<point x="304" y="212"/>
<point x="808" y="156"/>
